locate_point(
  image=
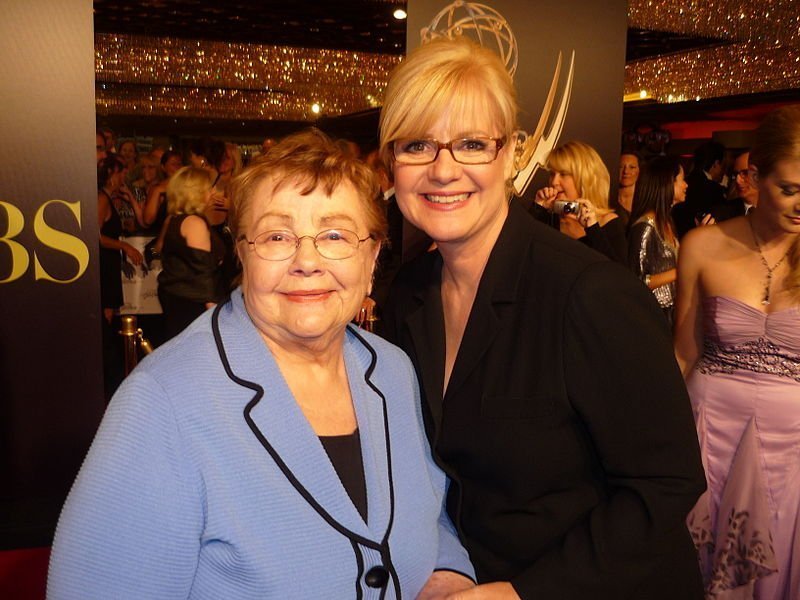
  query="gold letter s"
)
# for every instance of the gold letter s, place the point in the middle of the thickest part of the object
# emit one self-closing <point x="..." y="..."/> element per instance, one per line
<point x="58" y="240"/>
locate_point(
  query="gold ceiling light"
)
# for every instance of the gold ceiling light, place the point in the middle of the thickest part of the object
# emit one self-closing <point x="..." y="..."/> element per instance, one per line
<point x="141" y="75"/>
<point x="759" y="51"/>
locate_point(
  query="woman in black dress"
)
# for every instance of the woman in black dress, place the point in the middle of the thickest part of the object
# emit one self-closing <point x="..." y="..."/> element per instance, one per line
<point x="110" y="179"/>
<point x="192" y="252"/>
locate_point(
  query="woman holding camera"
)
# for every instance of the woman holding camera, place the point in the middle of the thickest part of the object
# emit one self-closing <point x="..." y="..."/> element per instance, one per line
<point x="578" y="194"/>
<point x="550" y="390"/>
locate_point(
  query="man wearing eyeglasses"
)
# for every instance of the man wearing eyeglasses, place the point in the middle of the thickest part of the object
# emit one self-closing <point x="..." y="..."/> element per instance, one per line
<point x="743" y="195"/>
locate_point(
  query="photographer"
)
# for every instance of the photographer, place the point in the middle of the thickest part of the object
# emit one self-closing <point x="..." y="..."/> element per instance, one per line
<point x="578" y="194"/>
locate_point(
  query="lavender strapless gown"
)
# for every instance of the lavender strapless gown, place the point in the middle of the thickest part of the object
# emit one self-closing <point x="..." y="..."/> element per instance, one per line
<point x="745" y="394"/>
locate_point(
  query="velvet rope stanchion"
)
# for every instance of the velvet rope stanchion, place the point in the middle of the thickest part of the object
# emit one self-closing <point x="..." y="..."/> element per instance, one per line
<point x="134" y="342"/>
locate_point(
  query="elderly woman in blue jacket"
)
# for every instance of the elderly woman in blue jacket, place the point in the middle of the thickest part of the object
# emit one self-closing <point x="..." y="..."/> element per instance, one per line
<point x="271" y="450"/>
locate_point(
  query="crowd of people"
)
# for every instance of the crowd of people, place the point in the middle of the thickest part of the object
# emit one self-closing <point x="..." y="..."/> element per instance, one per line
<point x="612" y="418"/>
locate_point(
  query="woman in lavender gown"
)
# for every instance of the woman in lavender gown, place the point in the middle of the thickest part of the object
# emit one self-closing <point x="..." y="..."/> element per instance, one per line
<point x="737" y="338"/>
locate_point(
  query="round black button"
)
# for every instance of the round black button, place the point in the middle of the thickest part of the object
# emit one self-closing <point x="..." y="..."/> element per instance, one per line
<point x="376" y="577"/>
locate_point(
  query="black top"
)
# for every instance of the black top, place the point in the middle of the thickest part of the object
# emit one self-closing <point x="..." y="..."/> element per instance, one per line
<point x="729" y="209"/>
<point x="701" y="195"/>
<point x="608" y="239"/>
<point x="345" y="454"/>
<point x="111" y="261"/>
<point x="189" y="273"/>
<point x="566" y="428"/>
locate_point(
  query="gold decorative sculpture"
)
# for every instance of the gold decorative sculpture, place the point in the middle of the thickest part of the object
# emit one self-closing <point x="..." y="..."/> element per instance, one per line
<point x="490" y="29"/>
<point x="481" y="22"/>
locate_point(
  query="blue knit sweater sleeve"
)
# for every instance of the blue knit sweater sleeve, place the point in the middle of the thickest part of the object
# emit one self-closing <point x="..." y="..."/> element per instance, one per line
<point x="132" y="523"/>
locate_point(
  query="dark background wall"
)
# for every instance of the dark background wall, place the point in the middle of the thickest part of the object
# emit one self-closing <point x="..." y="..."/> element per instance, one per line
<point x="50" y="363"/>
<point x="596" y="31"/>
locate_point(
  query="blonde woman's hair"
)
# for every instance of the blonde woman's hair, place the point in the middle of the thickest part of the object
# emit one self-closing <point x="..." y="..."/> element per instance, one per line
<point x="447" y="76"/>
<point x="778" y="139"/>
<point x="591" y="176"/>
<point x="236" y="154"/>
<point x="187" y="191"/>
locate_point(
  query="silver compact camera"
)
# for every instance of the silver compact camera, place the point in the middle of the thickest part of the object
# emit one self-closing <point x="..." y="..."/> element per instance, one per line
<point x="566" y="207"/>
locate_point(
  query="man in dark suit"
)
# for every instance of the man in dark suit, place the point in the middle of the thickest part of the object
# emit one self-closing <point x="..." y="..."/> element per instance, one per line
<point x="746" y="194"/>
<point x="704" y="190"/>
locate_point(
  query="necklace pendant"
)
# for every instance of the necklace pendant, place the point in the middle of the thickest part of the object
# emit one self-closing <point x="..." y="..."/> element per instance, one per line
<point x="765" y="301"/>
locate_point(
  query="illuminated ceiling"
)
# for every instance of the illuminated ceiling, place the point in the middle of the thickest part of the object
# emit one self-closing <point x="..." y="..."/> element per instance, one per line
<point x="274" y="60"/>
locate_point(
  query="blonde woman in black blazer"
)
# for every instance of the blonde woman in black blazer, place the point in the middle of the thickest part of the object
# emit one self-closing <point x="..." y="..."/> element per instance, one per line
<point x="550" y="391"/>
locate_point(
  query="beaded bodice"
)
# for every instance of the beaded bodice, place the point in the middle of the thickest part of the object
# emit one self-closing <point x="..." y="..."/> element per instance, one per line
<point x="740" y="337"/>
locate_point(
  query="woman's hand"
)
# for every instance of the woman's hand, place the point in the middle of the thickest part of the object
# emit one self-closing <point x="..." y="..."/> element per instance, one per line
<point x="587" y="214"/>
<point x="127" y="196"/>
<point x="545" y="197"/>
<point x="442" y="585"/>
<point x="500" y="590"/>
<point x="570" y="226"/>
<point x="219" y="202"/>
<point x="706" y="220"/>
<point x="132" y="254"/>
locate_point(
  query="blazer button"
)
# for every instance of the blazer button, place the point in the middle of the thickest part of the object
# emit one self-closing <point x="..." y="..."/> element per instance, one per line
<point x="376" y="577"/>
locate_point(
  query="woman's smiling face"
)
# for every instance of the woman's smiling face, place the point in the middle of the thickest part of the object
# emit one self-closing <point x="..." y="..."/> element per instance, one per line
<point x="305" y="298"/>
<point x="450" y="201"/>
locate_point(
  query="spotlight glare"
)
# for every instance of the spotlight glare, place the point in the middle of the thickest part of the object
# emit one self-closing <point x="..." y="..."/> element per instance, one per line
<point x="400" y="14"/>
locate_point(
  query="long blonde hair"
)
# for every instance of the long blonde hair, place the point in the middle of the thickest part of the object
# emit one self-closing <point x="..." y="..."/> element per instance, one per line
<point x="587" y="169"/>
<point x="778" y="139"/>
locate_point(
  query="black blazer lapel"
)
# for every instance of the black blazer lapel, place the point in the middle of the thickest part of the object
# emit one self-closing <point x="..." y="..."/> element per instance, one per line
<point x="479" y="334"/>
<point x="497" y="291"/>
<point x="426" y="329"/>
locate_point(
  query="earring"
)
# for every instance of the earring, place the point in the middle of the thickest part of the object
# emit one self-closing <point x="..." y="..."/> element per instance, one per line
<point x="522" y="152"/>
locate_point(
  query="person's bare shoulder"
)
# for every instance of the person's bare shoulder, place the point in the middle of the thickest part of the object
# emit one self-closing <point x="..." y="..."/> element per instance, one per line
<point x="712" y="242"/>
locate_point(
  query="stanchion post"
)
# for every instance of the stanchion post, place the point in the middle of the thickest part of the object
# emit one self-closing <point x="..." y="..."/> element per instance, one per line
<point x="128" y="332"/>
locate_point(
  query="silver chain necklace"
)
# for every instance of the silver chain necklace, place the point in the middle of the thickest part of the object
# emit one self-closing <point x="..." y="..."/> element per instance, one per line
<point x="764" y="262"/>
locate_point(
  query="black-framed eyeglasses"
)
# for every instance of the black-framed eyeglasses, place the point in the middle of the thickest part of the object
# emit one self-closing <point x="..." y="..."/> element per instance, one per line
<point x="476" y="150"/>
<point x="334" y="244"/>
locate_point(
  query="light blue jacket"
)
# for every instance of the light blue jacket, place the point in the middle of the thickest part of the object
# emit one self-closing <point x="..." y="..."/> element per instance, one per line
<point x="205" y="480"/>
